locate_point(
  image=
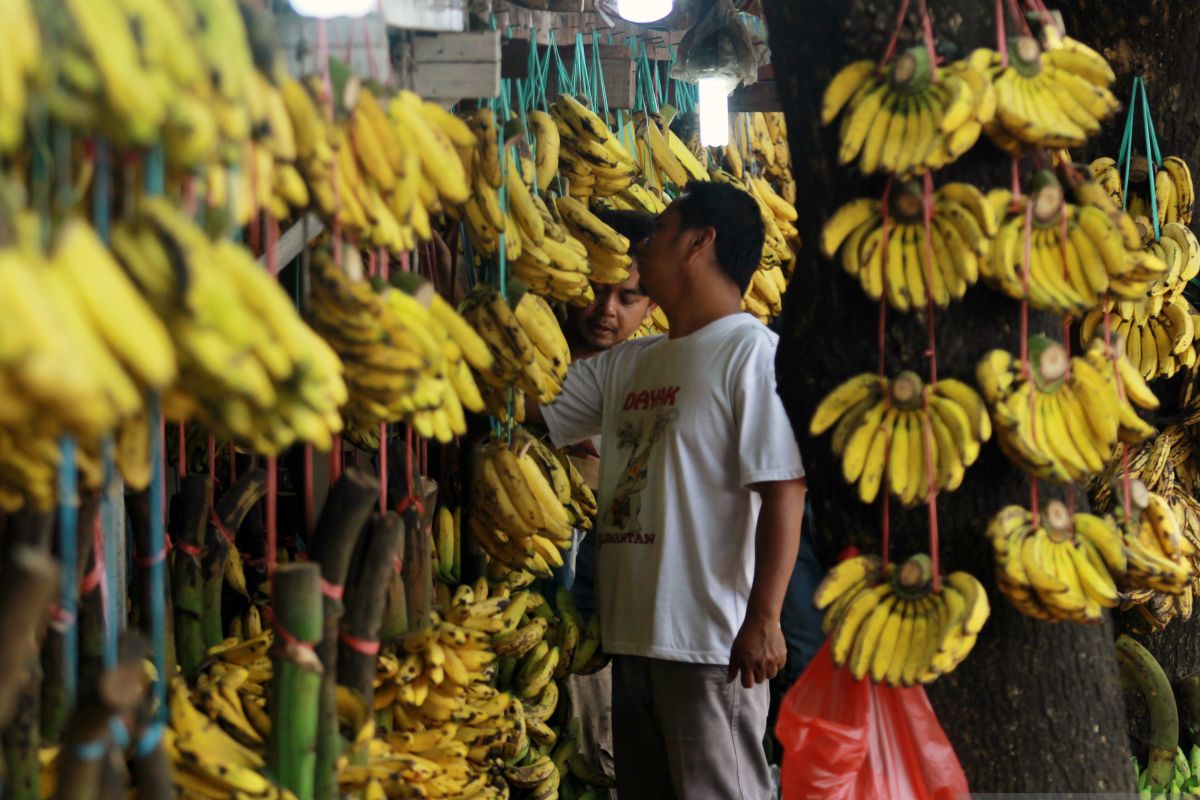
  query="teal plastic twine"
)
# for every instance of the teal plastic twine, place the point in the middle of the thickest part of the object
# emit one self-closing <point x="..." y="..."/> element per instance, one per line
<point x="1138" y="96"/>
<point x="155" y="185"/>
<point x="110" y="491"/>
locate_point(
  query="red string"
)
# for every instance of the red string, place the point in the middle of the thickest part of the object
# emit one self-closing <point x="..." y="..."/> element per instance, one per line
<point x="332" y="590"/>
<point x="928" y="220"/>
<point x="215" y="521"/>
<point x="397" y="563"/>
<point x="188" y="548"/>
<point x="1112" y="353"/>
<point x="385" y="267"/>
<point x="189" y="195"/>
<point x="335" y="459"/>
<point x="383" y="467"/>
<point x="1001" y="36"/>
<point x="883" y="242"/>
<point x="148" y="561"/>
<point x="927" y="436"/>
<point x="162" y="454"/>
<point x="1047" y="19"/>
<point x="927" y="29"/>
<point x="283" y="633"/>
<point x="372" y="263"/>
<point x="886" y="524"/>
<point x="368" y="647"/>
<point x="1020" y="19"/>
<point x="272" y="500"/>
<point x="95" y="576"/>
<point x="272" y="228"/>
<point x="1025" y="267"/>
<point x="182" y="451"/>
<point x="891" y="47"/>
<point x="309" y="513"/>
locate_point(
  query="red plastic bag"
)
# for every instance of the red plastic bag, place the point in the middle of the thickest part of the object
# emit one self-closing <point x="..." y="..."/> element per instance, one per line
<point x="856" y="740"/>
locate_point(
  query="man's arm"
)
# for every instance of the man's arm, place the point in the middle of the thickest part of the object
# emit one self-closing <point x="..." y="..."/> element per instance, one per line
<point x="759" y="651"/>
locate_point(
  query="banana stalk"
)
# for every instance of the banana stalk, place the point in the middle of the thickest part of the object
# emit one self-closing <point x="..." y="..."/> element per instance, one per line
<point x="1141" y="672"/>
<point x="137" y="508"/>
<point x="418" y="556"/>
<point x="212" y="571"/>
<point x="346" y="511"/>
<point x="366" y="592"/>
<point x="1189" y="694"/>
<point x="292" y="748"/>
<point x="187" y="579"/>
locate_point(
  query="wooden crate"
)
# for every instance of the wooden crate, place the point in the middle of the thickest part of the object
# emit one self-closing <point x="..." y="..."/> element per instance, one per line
<point x="454" y="66"/>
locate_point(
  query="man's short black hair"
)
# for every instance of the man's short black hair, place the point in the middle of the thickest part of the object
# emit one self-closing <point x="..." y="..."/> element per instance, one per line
<point x="735" y="217"/>
<point x="636" y="226"/>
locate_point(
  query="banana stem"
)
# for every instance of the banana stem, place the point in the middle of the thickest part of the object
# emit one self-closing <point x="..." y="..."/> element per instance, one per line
<point x="1140" y="669"/>
<point x="337" y="532"/>
<point x="292" y="749"/>
<point x="418" y="555"/>
<point x="367" y="591"/>
<point x="1189" y="696"/>
<point x="187" y="580"/>
<point x="212" y="567"/>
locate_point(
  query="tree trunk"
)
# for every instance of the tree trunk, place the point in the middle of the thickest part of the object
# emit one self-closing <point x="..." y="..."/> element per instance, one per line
<point x="1035" y="707"/>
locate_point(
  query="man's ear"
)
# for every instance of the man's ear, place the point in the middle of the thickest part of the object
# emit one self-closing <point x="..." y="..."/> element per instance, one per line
<point x="701" y="238"/>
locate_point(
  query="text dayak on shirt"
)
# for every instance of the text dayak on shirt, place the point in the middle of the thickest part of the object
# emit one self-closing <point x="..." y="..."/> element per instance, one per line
<point x="650" y="398"/>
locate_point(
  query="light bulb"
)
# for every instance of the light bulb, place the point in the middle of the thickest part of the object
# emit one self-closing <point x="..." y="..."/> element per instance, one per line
<point x="644" y="10"/>
<point x="327" y="9"/>
<point x="713" y="106"/>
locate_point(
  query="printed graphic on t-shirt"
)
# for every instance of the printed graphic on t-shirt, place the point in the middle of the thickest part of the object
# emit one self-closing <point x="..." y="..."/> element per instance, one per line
<point x="623" y="515"/>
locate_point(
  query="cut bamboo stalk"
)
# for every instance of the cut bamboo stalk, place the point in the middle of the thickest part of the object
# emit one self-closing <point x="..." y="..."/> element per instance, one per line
<point x="92" y="732"/>
<point x="418" y="565"/>
<point x="337" y="531"/>
<point x="291" y="749"/>
<point x="187" y="581"/>
<point x="365" y="596"/>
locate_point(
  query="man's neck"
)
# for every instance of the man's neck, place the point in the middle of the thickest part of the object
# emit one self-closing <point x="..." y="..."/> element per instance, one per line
<point x="698" y="312"/>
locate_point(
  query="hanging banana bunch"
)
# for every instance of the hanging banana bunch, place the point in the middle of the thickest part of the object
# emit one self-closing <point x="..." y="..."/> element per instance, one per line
<point x="890" y="624"/>
<point x="911" y="117"/>
<point x="1063" y="421"/>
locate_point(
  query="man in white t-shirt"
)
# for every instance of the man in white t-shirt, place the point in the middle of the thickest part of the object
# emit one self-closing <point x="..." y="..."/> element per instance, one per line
<point x="701" y="501"/>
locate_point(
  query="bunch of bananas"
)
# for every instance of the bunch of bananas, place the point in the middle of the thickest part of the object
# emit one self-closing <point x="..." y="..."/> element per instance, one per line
<point x="447" y="544"/>
<point x="1063" y="420"/>
<point x="911" y="117"/>
<point x="251" y="370"/>
<point x="607" y="251"/>
<point x="891" y="624"/>
<point x="526" y="344"/>
<point x="765" y="145"/>
<point x="408" y="356"/>
<point x="552" y="261"/>
<point x="960" y="231"/>
<point x="1174" y="192"/>
<point x="634" y="198"/>
<point x="218" y="751"/>
<point x="662" y="156"/>
<point x="591" y="159"/>
<point x="19" y="68"/>
<point x="1185" y="780"/>
<point x="1049" y="94"/>
<point x="1160" y="465"/>
<point x="525" y="502"/>
<point x="1077" y="253"/>
<point x="1159" y="345"/>
<point x="1059" y="567"/>
<point x="80" y="345"/>
<point x="1160" y="556"/>
<point x="902" y="431"/>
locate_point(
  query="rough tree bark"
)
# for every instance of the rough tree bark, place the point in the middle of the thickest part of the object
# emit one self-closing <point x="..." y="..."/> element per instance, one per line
<point x="1035" y="707"/>
<point x="1147" y="39"/>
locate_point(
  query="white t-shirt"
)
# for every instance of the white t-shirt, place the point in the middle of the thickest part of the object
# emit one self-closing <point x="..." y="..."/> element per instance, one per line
<point x="687" y="424"/>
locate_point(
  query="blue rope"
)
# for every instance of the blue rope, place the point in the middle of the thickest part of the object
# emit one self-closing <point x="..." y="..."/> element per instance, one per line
<point x="110" y="504"/>
<point x="157" y="546"/>
<point x="68" y="545"/>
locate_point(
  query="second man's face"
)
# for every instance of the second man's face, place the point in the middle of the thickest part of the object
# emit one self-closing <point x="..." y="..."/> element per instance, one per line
<point x="615" y="314"/>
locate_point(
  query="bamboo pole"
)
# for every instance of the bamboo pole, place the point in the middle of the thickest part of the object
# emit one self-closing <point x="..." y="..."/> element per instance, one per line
<point x="187" y="587"/>
<point x="365" y="596"/>
<point x="346" y="511"/>
<point x="291" y="749"/>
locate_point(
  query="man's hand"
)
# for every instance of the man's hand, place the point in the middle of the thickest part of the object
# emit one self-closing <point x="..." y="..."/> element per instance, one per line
<point x="759" y="651"/>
